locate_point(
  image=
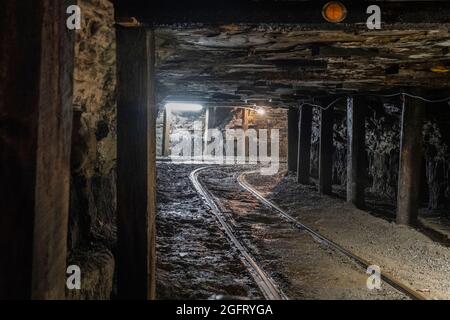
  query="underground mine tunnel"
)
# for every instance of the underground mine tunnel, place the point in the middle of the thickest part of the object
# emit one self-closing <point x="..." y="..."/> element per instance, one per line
<point x="225" y="150"/>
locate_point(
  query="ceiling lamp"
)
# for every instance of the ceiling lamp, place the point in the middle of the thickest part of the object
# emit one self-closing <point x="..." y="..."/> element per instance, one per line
<point x="440" y="69"/>
<point x="334" y="12"/>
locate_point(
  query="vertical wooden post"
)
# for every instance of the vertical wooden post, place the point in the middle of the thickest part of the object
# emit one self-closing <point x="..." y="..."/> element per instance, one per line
<point x="410" y="161"/>
<point x="166" y="132"/>
<point x="210" y="119"/>
<point x="36" y="87"/>
<point x="244" y="119"/>
<point x="136" y="174"/>
<point x="292" y="138"/>
<point x="205" y="133"/>
<point x="304" y="144"/>
<point x="245" y="128"/>
<point x="326" y="151"/>
<point x="356" y="136"/>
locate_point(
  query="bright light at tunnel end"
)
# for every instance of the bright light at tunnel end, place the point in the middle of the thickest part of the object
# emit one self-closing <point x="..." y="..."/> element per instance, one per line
<point x="261" y="111"/>
<point x="181" y="106"/>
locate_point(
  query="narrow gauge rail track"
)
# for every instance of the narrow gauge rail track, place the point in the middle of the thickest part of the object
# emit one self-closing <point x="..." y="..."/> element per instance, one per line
<point x="396" y="284"/>
<point x="266" y="284"/>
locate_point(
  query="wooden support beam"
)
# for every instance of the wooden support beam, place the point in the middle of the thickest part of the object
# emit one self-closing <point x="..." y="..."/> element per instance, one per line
<point x="36" y="86"/>
<point x="210" y="123"/>
<point x="326" y="151"/>
<point x="163" y="12"/>
<point x="356" y="138"/>
<point x="244" y="119"/>
<point x="410" y="161"/>
<point x="304" y="144"/>
<point x="167" y="125"/>
<point x="136" y="163"/>
<point x="212" y="117"/>
<point x="245" y="113"/>
<point x="292" y="138"/>
<point x="205" y="132"/>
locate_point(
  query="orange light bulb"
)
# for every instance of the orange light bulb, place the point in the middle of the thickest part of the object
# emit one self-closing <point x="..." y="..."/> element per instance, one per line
<point x="334" y="11"/>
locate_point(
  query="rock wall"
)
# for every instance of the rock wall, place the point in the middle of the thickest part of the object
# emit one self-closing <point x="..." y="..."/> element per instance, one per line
<point x="383" y="151"/>
<point x="315" y="143"/>
<point x="436" y="135"/>
<point x="382" y="148"/>
<point x="93" y="188"/>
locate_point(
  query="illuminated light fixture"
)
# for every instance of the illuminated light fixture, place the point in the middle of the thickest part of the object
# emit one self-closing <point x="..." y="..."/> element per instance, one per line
<point x="179" y="106"/>
<point x="440" y="69"/>
<point x="261" y="111"/>
<point x="334" y="12"/>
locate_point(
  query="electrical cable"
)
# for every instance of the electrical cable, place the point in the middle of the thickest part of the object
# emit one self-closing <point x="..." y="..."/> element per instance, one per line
<point x="404" y="94"/>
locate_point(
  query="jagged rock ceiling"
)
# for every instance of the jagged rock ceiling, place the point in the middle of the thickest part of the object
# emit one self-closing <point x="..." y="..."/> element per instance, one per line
<point x="230" y="64"/>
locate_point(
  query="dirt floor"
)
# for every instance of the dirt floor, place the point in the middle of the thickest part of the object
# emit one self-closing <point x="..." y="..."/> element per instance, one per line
<point x="303" y="268"/>
<point x="194" y="259"/>
<point x="405" y="253"/>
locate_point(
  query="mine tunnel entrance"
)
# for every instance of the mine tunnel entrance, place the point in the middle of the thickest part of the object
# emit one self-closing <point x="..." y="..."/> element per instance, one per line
<point x="352" y="118"/>
<point x="352" y="126"/>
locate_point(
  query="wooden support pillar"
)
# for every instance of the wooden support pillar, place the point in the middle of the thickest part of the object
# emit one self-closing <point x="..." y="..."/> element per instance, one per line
<point x="326" y="151"/>
<point x="245" y="128"/>
<point x="205" y="132"/>
<point x="212" y="117"/>
<point x="244" y="119"/>
<point x="304" y="144"/>
<point x="410" y="161"/>
<point x="210" y="120"/>
<point x="136" y="163"/>
<point x="36" y="86"/>
<point x="356" y="138"/>
<point x="292" y="138"/>
<point x="167" y="124"/>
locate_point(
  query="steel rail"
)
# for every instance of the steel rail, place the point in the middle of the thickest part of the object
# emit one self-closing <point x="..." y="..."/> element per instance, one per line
<point x="357" y="259"/>
<point x="266" y="284"/>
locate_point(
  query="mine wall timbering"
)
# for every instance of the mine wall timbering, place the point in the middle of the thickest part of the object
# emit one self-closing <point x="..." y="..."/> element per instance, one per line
<point x="382" y="151"/>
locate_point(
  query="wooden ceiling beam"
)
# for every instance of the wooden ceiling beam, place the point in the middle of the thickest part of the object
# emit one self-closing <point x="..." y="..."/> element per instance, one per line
<point x="170" y="12"/>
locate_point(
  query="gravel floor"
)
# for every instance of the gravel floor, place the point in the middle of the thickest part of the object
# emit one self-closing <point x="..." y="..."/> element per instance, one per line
<point x="196" y="261"/>
<point x="405" y="253"/>
<point x="304" y="268"/>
